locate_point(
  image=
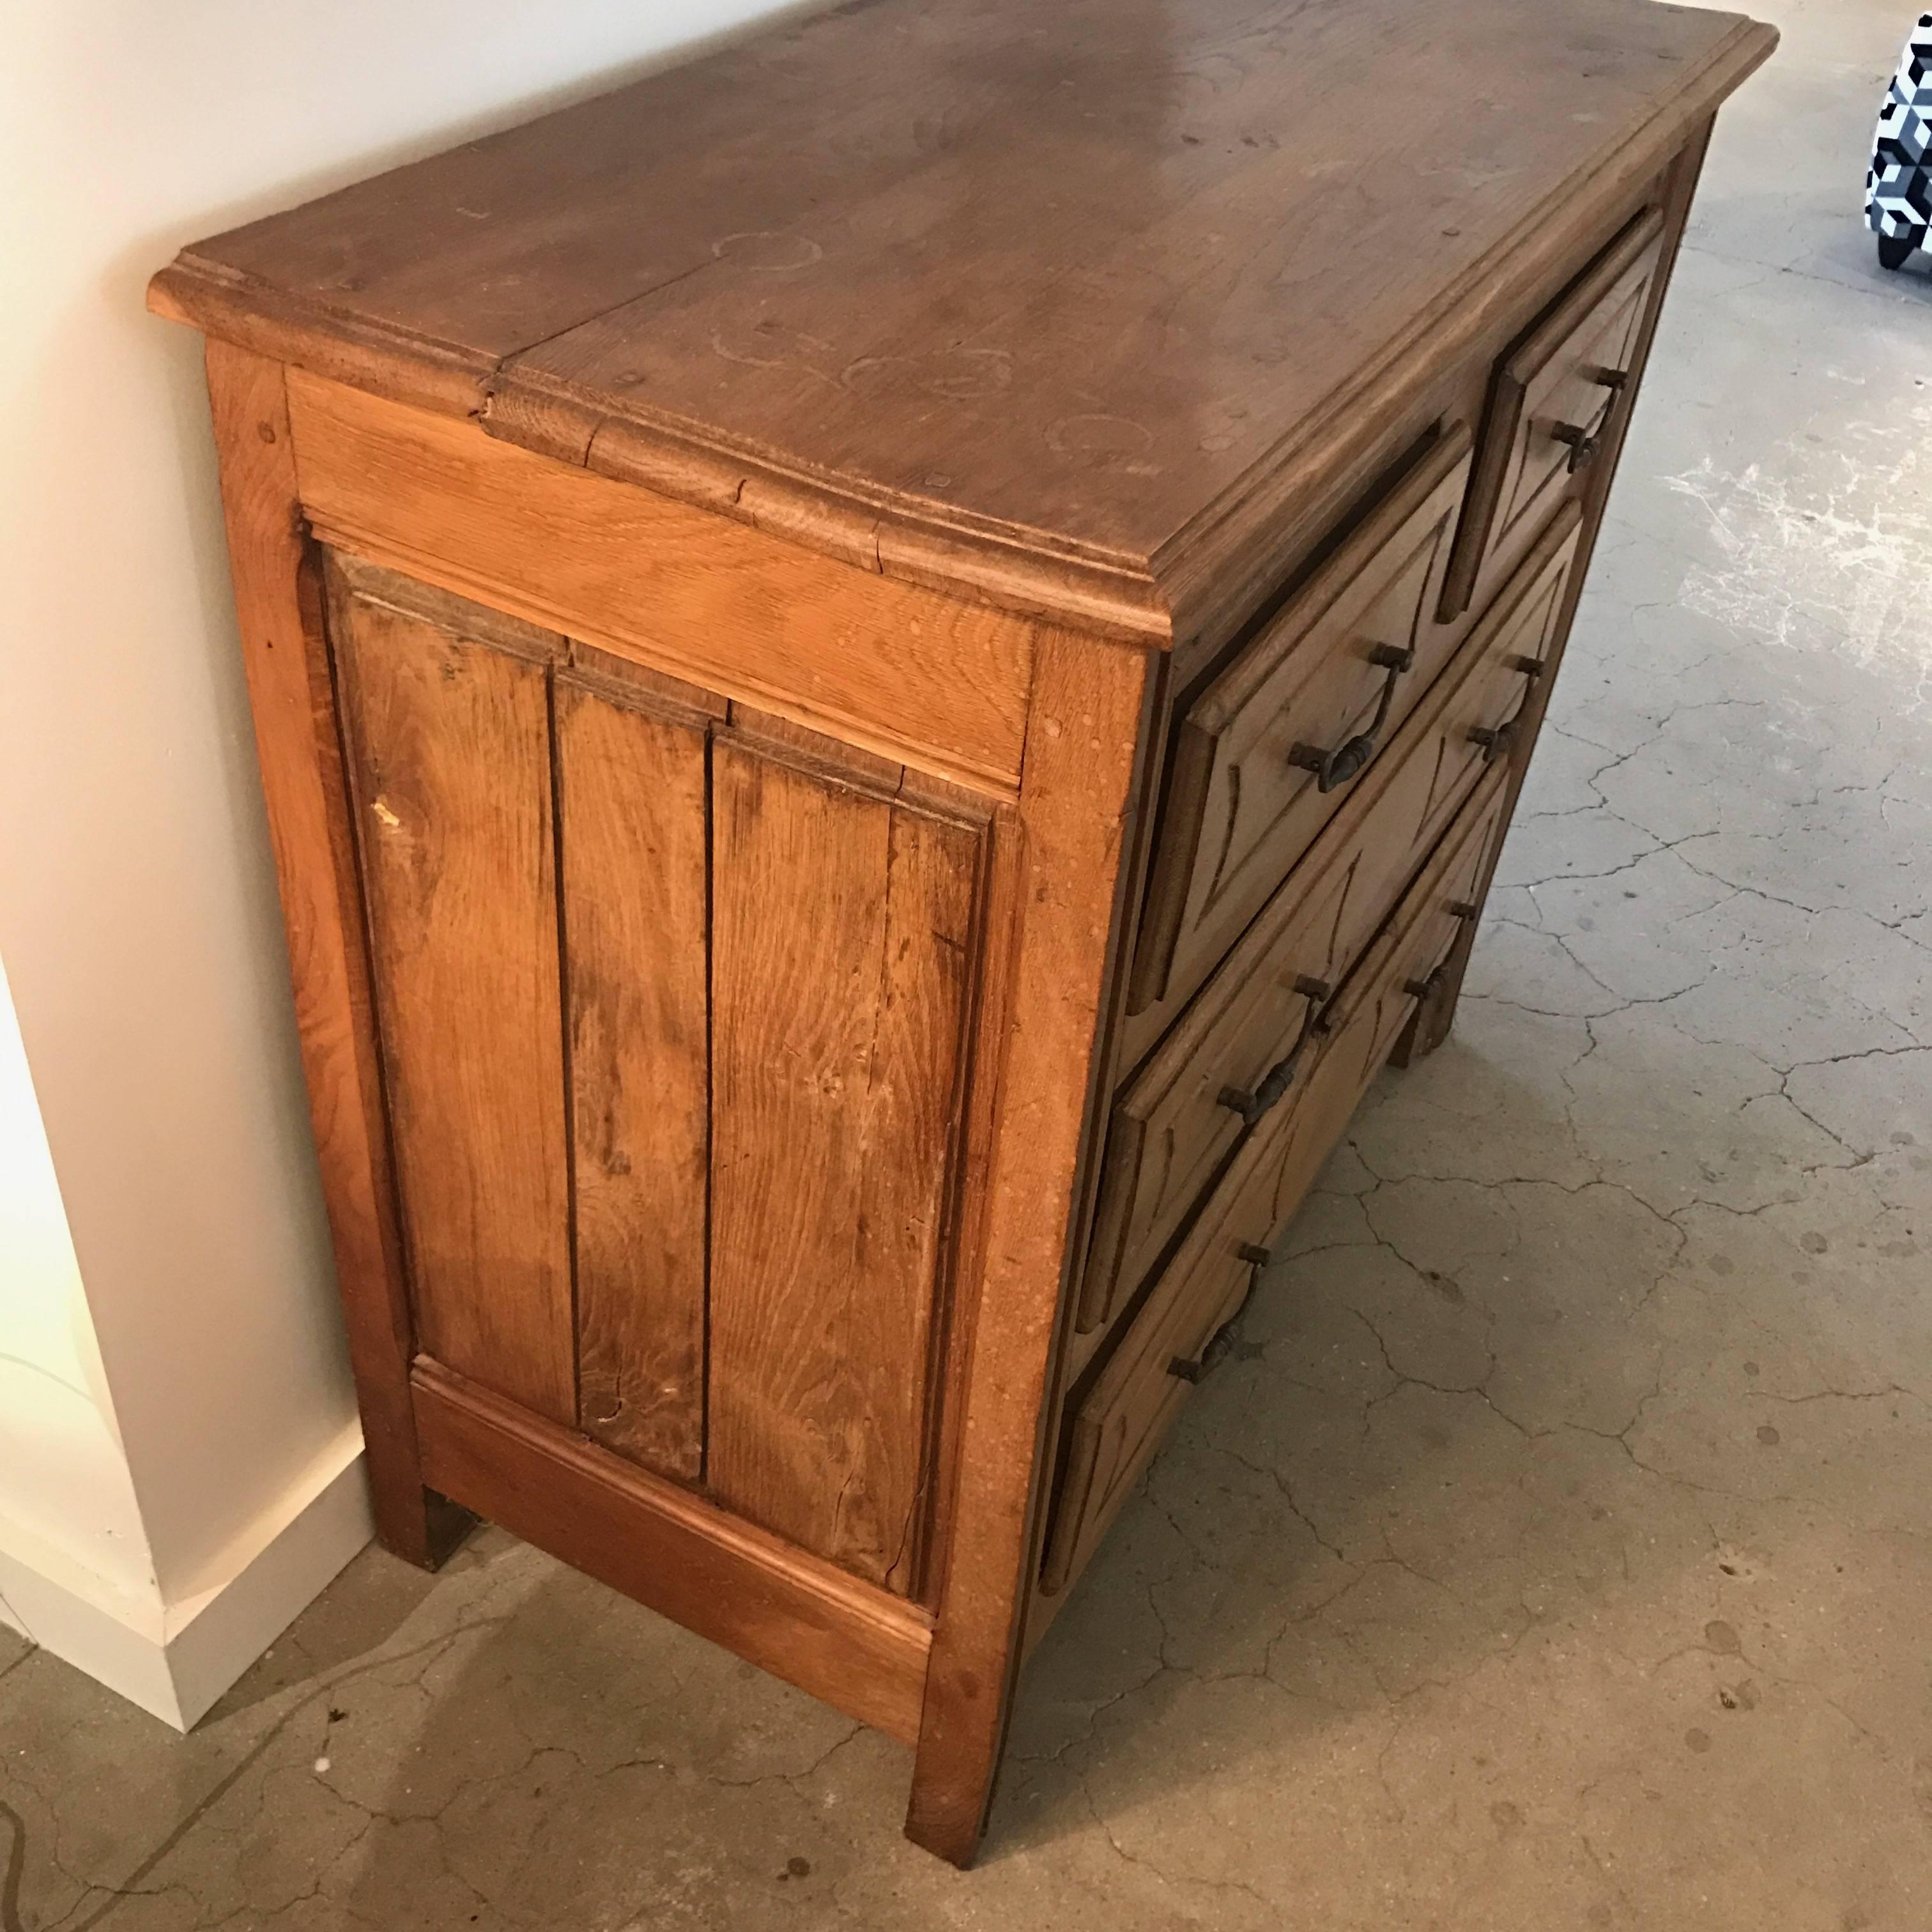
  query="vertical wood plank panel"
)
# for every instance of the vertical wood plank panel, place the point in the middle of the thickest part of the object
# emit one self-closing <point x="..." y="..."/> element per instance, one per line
<point x="842" y="929"/>
<point x="631" y="799"/>
<point x="448" y="743"/>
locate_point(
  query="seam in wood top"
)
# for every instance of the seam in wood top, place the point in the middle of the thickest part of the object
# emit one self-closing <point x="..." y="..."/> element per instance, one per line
<point x="959" y="295"/>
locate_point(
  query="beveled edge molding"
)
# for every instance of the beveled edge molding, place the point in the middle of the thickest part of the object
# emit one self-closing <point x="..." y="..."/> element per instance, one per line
<point x="259" y="316"/>
<point x="986" y="563"/>
<point x="1029" y="571"/>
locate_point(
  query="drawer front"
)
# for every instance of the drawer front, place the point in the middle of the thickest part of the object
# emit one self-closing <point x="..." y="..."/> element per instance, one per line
<point x="1178" y="1335"/>
<point x="1241" y="1044"/>
<point x="1418" y="943"/>
<point x="1338" y="668"/>
<point x="1234" y="1050"/>
<point x="1553" y="406"/>
<point x="1124" y="1416"/>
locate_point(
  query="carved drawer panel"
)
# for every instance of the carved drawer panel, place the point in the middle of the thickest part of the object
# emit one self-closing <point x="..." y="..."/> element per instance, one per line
<point x="1552" y="404"/>
<point x="1181" y="1330"/>
<point x="1265" y="756"/>
<point x="1233" y="1052"/>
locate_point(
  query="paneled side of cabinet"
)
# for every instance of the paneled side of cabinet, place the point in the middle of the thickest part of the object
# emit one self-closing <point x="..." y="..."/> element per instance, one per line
<point x="675" y="1024"/>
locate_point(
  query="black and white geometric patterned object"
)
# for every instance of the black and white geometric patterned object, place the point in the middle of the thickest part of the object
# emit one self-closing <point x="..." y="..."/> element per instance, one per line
<point x="1898" y="188"/>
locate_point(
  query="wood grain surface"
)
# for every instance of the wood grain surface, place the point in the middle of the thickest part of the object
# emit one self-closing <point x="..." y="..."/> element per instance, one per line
<point x="1064" y="286"/>
<point x="1679" y="187"/>
<point x="1559" y="376"/>
<point x="448" y="742"/>
<point x="1122" y="1415"/>
<point x="860" y="1648"/>
<point x="843" y="926"/>
<point x="278" y="604"/>
<point x="706" y="572"/>
<point x="1090" y="724"/>
<point x="839" y="648"/>
<point x="634" y="812"/>
<point x="1240" y="809"/>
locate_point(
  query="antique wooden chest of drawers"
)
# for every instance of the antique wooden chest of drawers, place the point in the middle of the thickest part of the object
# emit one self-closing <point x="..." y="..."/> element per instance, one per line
<point x="887" y="668"/>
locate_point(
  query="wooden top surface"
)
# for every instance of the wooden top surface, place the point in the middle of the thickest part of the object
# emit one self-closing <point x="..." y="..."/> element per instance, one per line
<point x="1063" y="285"/>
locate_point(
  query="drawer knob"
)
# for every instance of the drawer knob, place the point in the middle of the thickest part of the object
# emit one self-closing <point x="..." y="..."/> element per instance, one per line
<point x="1310" y="987"/>
<point x="1349" y="759"/>
<point x="1495" y="741"/>
<point x="1532" y="668"/>
<point x="1463" y="909"/>
<point x="1421" y="989"/>
<point x="1249" y="1251"/>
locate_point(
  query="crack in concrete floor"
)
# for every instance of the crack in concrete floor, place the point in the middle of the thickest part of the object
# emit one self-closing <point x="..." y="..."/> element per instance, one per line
<point x="1558" y="1550"/>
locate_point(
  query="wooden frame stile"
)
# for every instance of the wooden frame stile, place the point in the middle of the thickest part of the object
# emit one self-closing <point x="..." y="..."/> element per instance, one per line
<point x="1087" y="725"/>
<point x="985" y="1067"/>
<point x="1433" y="1020"/>
<point x="285" y="652"/>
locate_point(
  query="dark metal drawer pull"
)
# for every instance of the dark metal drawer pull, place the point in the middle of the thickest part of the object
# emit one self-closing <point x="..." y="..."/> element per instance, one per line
<point x="1530" y="667"/>
<point x="1463" y="909"/>
<point x="1277" y="1080"/>
<point x="1220" y="1345"/>
<point x="1421" y="989"/>
<point x="1495" y="742"/>
<point x="1584" y="444"/>
<point x="1273" y="1085"/>
<point x="1195" y="1368"/>
<point x="1397" y="658"/>
<point x="1349" y="759"/>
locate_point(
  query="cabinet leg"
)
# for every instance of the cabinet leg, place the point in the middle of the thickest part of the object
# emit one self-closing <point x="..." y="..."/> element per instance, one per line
<point x="958" y="1762"/>
<point x="428" y="1532"/>
<point x="1436" y="1015"/>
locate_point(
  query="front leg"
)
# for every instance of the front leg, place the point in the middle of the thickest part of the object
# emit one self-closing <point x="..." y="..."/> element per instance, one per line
<point x="1086" y="726"/>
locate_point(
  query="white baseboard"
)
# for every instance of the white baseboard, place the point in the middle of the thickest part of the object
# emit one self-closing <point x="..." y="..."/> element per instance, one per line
<point x="176" y="1661"/>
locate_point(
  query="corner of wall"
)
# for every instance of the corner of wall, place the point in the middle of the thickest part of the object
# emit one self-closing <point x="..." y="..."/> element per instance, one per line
<point x="176" y="1661"/>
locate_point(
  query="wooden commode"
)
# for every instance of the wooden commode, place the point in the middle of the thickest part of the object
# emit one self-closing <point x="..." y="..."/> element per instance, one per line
<point x="888" y="667"/>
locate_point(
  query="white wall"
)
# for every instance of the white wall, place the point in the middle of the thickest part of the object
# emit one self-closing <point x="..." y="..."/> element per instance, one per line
<point x="64" y="1490"/>
<point x="137" y="914"/>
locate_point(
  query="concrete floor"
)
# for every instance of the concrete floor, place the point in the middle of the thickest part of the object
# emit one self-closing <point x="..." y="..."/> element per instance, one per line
<point x="1561" y="1556"/>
